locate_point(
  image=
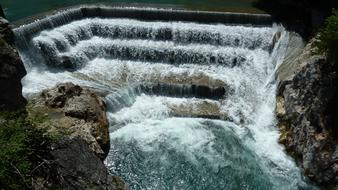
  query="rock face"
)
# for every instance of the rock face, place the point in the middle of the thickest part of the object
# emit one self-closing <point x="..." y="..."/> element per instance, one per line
<point x="77" y="119"/>
<point x="307" y="110"/>
<point x="72" y="110"/>
<point x="12" y="70"/>
<point x="75" y="166"/>
<point x="81" y="168"/>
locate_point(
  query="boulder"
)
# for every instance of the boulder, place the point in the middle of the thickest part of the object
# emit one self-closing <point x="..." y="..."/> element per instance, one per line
<point x="72" y="110"/>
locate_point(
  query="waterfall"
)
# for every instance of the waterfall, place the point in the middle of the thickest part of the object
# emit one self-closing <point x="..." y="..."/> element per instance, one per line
<point x="148" y="14"/>
<point x="190" y="95"/>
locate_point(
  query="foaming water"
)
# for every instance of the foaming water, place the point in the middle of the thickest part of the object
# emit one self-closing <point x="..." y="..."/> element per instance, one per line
<point x="165" y="137"/>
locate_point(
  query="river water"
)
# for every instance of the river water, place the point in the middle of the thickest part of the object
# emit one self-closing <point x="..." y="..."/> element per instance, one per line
<point x="19" y="9"/>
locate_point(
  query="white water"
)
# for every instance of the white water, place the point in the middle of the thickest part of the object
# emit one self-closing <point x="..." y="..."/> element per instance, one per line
<point x="151" y="149"/>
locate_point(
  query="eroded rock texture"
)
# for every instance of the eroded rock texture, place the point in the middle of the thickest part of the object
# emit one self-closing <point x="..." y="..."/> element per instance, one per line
<point x="77" y="119"/>
<point x="74" y="111"/>
<point x="74" y="166"/>
<point x="307" y="111"/>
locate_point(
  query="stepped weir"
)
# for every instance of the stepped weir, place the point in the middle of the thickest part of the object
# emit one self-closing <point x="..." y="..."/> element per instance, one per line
<point x="190" y="94"/>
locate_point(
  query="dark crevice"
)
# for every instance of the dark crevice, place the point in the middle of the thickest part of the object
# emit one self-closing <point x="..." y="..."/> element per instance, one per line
<point x="183" y="90"/>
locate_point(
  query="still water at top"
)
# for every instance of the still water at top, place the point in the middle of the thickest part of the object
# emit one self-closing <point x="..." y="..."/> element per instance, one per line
<point x="19" y="9"/>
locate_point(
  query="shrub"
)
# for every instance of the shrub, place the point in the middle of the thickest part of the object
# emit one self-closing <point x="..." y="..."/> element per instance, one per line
<point x="328" y="40"/>
<point x="21" y="145"/>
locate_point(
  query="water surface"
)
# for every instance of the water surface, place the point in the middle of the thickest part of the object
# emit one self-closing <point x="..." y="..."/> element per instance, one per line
<point x="19" y="9"/>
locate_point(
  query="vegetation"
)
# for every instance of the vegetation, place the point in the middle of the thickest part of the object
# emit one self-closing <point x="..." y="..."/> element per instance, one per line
<point x="328" y="40"/>
<point x="22" y="150"/>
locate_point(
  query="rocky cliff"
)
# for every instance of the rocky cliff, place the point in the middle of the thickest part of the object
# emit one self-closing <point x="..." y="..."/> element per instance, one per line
<point x="307" y="112"/>
<point x="72" y="110"/>
<point x="12" y="70"/>
<point x="76" y="117"/>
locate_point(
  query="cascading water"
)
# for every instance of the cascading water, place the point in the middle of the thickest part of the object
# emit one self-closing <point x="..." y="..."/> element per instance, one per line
<point x="190" y="105"/>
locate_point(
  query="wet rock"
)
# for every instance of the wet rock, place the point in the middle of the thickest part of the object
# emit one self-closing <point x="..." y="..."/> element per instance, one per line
<point x="198" y="109"/>
<point x="307" y="110"/>
<point x="200" y="79"/>
<point x="70" y="109"/>
<point x="275" y="39"/>
<point x="67" y="63"/>
<point x="184" y="90"/>
<point x="11" y="71"/>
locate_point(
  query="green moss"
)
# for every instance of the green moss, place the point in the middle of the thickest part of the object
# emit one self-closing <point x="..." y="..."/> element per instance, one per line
<point x="21" y="147"/>
<point x="59" y="134"/>
<point x="328" y="40"/>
